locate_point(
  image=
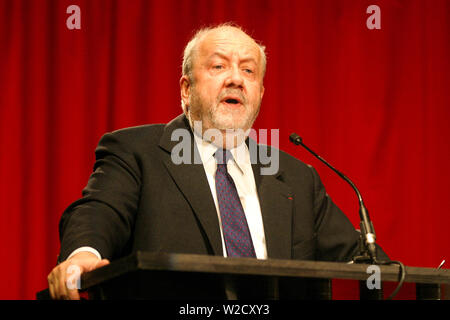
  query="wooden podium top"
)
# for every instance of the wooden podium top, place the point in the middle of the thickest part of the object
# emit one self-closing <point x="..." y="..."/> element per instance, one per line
<point x="148" y="261"/>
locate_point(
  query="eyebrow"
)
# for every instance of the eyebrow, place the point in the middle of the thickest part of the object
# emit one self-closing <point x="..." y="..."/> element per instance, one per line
<point x="223" y="56"/>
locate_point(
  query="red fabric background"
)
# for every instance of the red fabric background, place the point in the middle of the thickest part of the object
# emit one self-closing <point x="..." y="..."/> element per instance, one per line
<point x="375" y="103"/>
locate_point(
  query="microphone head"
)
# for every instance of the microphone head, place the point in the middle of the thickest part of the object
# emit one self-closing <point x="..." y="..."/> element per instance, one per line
<point x="295" y="139"/>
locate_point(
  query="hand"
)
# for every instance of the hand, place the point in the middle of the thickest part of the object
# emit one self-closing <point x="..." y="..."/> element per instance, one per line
<point x="60" y="280"/>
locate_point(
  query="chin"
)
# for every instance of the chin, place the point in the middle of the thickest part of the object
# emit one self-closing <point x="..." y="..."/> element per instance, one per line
<point x="230" y="120"/>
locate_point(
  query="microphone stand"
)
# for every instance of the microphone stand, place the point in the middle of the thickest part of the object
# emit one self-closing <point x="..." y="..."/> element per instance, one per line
<point x="368" y="251"/>
<point x="367" y="248"/>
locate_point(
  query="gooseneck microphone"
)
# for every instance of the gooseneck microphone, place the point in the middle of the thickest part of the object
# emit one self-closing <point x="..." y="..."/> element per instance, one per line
<point x="366" y="225"/>
<point x="367" y="231"/>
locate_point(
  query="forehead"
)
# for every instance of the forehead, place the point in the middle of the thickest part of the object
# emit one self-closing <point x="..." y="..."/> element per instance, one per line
<point x="228" y="41"/>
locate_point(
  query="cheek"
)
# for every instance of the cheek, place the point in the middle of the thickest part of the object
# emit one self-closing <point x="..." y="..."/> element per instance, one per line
<point x="209" y="91"/>
<point x="255" y="96"/>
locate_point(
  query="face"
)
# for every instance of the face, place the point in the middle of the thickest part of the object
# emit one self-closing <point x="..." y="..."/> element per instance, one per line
<point x="227" y="85"/>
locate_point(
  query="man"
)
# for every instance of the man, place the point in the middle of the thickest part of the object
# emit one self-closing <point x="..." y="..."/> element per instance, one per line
<point x="138" y="198"/>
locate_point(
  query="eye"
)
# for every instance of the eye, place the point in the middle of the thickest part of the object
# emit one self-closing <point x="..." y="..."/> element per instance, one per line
<point x="250" y="71"/>
<point x="218" y="66"/>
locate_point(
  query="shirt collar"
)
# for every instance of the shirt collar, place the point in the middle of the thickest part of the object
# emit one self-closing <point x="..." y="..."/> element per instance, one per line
<point x="206" y="149"/>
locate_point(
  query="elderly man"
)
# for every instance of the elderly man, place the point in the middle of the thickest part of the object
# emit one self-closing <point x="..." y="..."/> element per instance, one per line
<point x="137" y="198"/>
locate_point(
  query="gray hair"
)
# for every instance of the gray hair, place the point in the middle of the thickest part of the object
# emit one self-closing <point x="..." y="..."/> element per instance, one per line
<point x="191" y="47"/>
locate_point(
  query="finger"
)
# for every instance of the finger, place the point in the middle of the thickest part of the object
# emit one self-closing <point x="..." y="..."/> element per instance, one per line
<point x="51" y="287"/>
<point x="71" y="289"/>
<point x="73" y="294"/>
<point x="101" y="263"/>
<point x="61" y="291"/>
<point x="53" y="283"/>
<point x="72" y="281"/>
<point x="95" y="265"/>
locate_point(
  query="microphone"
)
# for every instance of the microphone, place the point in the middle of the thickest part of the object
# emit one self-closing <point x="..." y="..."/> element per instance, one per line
<point x="367" y="229"/>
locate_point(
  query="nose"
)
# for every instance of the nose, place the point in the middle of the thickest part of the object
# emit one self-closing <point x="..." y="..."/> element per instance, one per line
<point x="234" y="79"/>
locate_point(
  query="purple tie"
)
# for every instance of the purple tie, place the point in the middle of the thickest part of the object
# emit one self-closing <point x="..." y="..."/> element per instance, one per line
<point x="237" y="237"/>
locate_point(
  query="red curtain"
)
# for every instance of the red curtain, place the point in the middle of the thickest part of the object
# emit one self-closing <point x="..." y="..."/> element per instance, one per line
<point x="374" y="102"/>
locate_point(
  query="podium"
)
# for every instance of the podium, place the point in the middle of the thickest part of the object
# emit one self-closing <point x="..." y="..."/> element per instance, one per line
<point x="159" y="276"/>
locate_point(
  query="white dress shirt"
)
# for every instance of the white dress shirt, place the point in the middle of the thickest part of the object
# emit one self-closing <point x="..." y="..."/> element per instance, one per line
<point x="240" y="169"/>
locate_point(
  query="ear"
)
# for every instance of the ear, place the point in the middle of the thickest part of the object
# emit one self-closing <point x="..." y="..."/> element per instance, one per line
<point x="262" y="91"/>
<point x="185" y="86"/>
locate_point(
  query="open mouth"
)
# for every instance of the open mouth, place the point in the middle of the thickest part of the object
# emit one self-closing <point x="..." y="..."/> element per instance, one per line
<point x="232" y="101"/>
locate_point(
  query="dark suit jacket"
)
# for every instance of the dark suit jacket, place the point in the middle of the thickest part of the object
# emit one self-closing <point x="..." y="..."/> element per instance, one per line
<point x="138" y="199"/>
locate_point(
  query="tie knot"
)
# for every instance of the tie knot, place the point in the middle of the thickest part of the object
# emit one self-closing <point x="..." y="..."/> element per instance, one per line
<point x="222" y="156"/>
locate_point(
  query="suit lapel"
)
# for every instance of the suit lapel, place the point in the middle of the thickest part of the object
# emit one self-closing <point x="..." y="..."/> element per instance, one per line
<point x="275" y="199"/>
<point x="275" y="196"/>
<point x="192" y="182"/>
